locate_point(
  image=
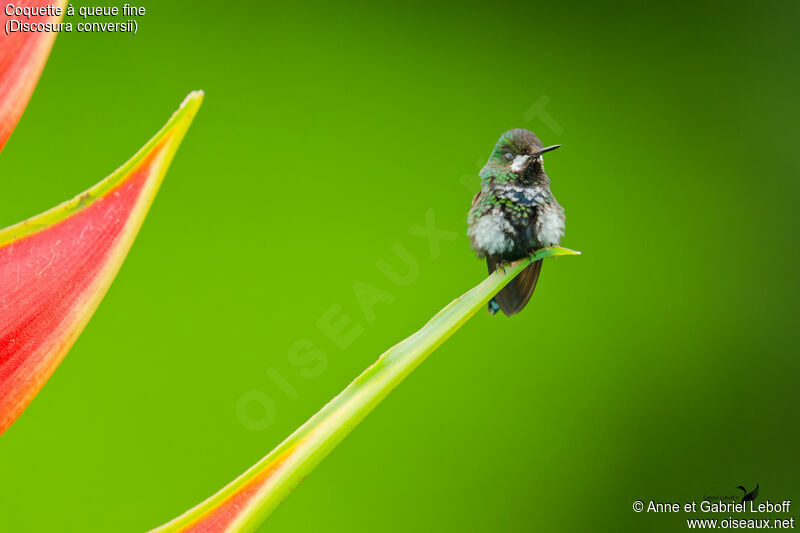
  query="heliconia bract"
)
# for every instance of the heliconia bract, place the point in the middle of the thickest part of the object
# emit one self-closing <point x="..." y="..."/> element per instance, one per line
<point x="22" y="58"/>
<point x="56" y="267"/>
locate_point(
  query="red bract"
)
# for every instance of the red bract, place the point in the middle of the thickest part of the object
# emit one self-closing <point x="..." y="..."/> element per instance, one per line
<point x="56" y="267"/>
<point x="22" y="58"/>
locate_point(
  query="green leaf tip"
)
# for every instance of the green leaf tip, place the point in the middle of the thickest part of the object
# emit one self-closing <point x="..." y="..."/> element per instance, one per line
<point x="246" y="502"/>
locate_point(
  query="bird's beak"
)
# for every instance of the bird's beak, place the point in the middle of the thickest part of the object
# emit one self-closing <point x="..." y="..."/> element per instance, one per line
<point x="540" y="151"/>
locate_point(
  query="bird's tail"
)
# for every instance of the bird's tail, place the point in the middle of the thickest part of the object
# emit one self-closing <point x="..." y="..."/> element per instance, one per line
<point x="514" y="296"/>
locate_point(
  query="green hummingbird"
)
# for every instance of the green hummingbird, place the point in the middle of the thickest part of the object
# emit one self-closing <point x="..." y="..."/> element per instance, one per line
<point x="514" y="214"/>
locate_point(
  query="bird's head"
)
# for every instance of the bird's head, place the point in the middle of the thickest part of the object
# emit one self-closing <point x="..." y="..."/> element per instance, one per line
<point x="518" y="154"/>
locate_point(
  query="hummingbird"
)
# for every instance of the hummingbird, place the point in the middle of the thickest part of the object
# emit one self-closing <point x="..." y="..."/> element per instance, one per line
<point x="514" y="214"/>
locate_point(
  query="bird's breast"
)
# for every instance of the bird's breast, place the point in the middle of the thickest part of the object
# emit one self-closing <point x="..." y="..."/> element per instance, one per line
<point x="550" y="224"/>
<point x="523" y="194"/>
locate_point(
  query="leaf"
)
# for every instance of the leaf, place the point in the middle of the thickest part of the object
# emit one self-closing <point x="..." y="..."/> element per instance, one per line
<point x="56" y="267"/>
<point x="245" y="503"/>
<point x="22" y="58"/>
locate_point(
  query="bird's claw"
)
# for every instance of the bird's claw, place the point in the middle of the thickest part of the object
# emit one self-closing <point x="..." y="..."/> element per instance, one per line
<point x="532" y="257"/>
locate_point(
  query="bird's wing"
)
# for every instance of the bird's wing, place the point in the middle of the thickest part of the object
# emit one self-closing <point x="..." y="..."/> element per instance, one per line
<point x="754" y="494"/>
<point x="475" y="199"/>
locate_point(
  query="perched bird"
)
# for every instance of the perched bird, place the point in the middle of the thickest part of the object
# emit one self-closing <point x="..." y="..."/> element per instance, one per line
<point x="515" y="214"/>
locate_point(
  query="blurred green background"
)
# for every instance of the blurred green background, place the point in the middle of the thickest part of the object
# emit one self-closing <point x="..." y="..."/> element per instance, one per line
<point x="662" y="364"/>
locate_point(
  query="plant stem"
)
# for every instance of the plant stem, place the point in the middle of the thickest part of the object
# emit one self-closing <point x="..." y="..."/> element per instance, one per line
<point x="245" y="503"/>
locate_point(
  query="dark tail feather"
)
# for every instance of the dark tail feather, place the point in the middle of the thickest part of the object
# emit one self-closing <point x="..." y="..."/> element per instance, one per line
<point x="517" y="293"/>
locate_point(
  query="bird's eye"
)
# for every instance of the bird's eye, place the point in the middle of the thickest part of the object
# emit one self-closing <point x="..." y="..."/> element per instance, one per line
<point x="509" y="156"/>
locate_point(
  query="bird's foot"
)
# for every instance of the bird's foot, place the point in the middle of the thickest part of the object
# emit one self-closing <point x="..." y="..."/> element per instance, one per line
<point x="501" y="266"/>
<point x="532" y="258"/>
